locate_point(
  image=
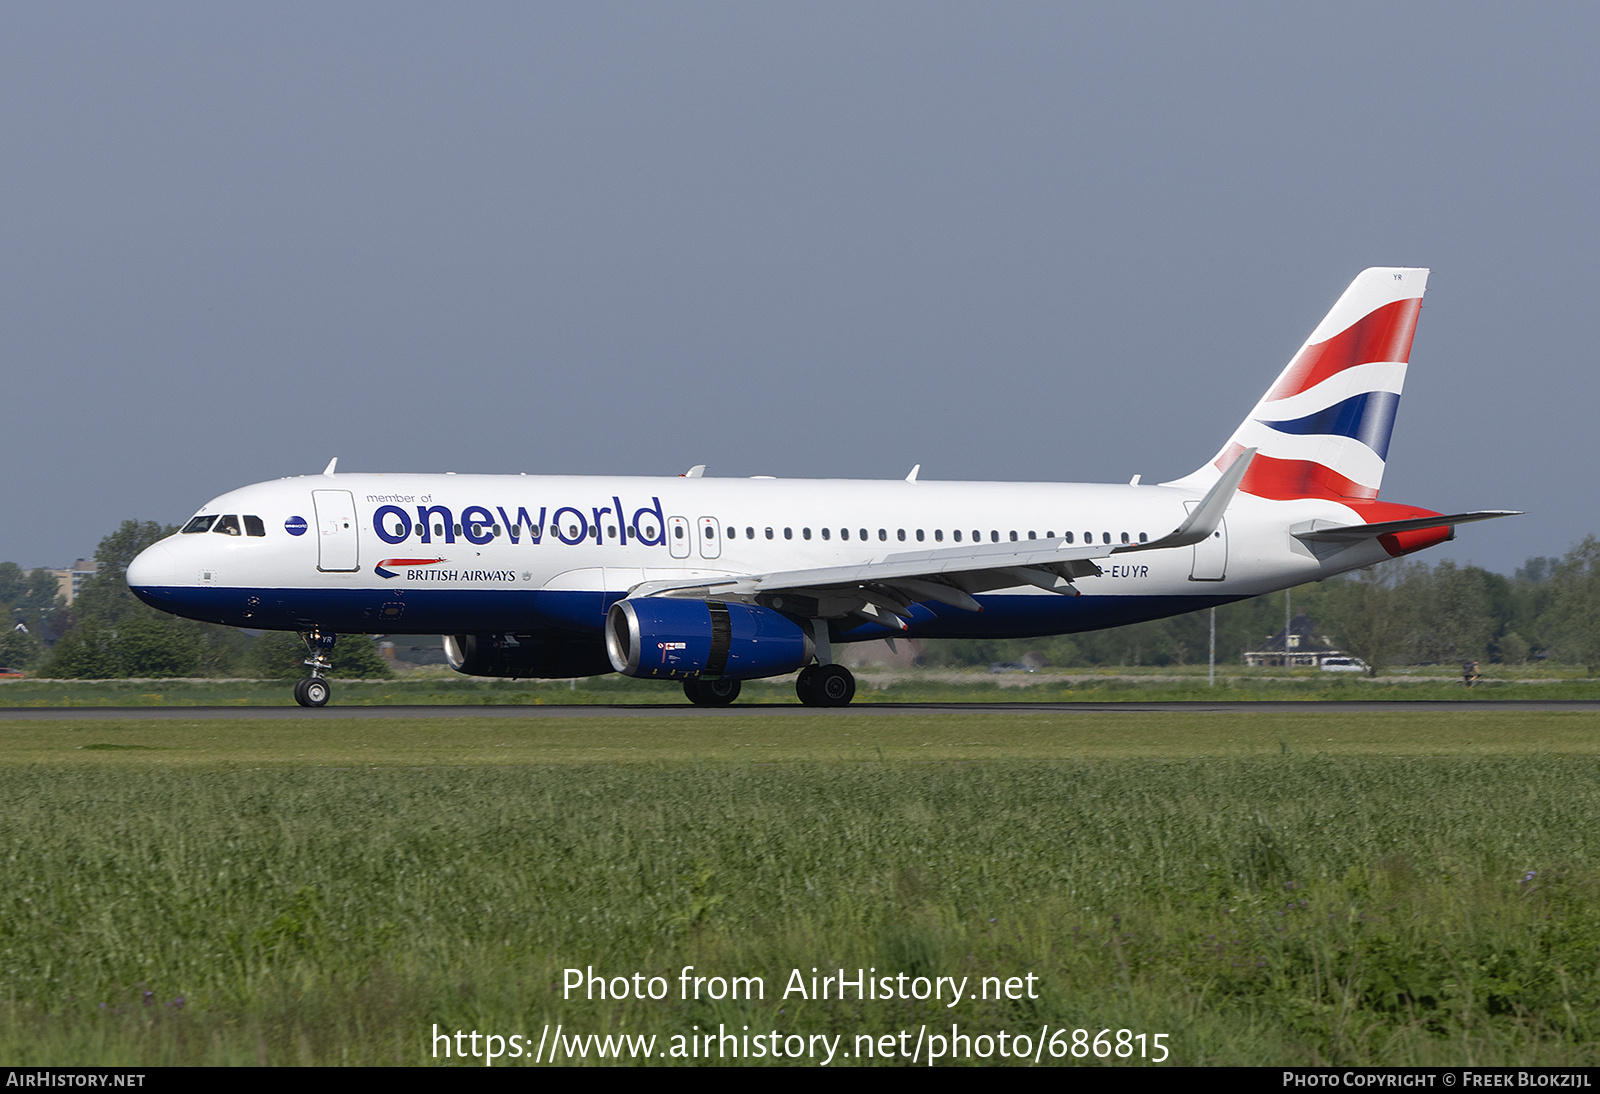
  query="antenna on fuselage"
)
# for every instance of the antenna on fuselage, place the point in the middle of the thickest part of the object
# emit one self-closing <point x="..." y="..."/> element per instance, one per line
<point x="331" y="465"/>
<point x="695" y="472"/>
<point x="913" y="476"/>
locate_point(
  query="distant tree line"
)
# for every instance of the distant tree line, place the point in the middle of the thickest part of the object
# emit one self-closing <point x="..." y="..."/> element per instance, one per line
<point x="1397" y="613"/>
<point x="110" y="633"/>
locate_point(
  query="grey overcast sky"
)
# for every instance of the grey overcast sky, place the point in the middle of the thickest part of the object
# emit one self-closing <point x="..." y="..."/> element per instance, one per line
<point x="1006" y="241"/>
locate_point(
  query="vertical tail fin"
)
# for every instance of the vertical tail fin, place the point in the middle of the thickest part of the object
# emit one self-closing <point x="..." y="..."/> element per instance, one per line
<point x="1322" y="429"/>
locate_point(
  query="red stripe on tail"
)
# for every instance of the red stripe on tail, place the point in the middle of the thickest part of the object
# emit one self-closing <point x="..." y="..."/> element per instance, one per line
<point x="1285" y="480"/>
<point x="1381" y="335"/>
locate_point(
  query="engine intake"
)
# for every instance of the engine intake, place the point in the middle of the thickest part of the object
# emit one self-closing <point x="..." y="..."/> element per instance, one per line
<point x="663" y="637"/>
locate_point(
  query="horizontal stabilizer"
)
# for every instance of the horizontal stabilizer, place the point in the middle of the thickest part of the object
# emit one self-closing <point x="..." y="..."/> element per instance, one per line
<point x="1349" y="532"/>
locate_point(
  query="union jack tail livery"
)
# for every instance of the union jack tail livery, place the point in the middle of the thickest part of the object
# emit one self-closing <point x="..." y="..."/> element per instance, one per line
<point x="1322" y="429"/>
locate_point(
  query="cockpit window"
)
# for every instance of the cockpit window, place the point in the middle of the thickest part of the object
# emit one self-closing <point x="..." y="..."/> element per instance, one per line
<point x="228" y="525"/>
<point x="254" y="527"/>
<point x="198" y="524"/>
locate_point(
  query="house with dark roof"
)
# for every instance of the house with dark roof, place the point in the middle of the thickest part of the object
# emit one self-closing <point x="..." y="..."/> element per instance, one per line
<point x="1297" y="646"/>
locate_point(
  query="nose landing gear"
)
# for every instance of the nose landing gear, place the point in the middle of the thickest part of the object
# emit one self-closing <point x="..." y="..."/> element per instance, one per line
<point x="314" y="690"/>
<point x="311" y="692"/>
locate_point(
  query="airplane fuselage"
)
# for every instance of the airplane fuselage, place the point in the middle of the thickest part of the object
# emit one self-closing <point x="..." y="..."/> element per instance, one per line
<point x="432" y="554"/>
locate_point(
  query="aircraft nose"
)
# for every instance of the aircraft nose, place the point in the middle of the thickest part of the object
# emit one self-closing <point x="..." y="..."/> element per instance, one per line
<point x="152" y="568"/>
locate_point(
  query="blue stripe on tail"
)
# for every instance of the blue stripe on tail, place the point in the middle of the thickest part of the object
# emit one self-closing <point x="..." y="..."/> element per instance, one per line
<point x="1368" y="418"/>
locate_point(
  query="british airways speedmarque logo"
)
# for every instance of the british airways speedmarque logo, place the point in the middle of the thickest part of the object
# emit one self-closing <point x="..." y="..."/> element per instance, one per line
<point x="382" y="571"/>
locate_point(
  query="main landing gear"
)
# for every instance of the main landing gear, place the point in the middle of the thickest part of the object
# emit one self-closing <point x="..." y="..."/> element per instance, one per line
<point x="825" y="686"/>
<point x="711" y="693"/>
<point x="314" y="691"/>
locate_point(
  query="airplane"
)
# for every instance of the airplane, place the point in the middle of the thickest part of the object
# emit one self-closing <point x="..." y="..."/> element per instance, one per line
<point x="715" y="581"/>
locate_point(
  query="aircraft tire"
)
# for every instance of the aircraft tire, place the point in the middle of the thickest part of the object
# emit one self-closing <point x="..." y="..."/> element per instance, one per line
<point x="835" y="686"/>
<point x="711" y="693"/>
<point x="312" y="692"/>
<point x="805" y="686"/>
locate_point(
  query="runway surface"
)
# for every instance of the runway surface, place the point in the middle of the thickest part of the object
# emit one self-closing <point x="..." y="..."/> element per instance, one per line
<point x="678" y="710"/>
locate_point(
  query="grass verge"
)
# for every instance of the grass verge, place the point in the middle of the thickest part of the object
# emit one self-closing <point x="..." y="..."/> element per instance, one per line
<point x="1265" y="889"/>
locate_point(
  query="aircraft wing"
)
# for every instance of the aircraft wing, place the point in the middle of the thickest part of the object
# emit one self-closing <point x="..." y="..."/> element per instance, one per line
<point x="883" y="591"/>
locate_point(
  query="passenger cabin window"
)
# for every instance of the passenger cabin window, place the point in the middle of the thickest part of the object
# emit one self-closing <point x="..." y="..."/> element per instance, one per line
<point x="901" y="534"/>
<point x="882" y="535"/>
<point x="228" y="525"/>
<point x="844" y="533"/>
<point x="1143" y="538"/>
<point x="957" y="534"/>
<point x="805" y="533"/>
<point x="733" y="533"/>
<point x="769" y="533"/>
<point x="199" y="524"/>
<point x="1067" y="536"/>
<point x="994" y="536"/>
<point x="938" y="535"/>
<point x="749" y="533"/>
<point x="788" y="533"/>
<point x="919" y="535"/>
<point x="863" y="535"/>
<point x="1013" y="535"/>
<point x="825" y="533"/>
<point x="254" y="527"/>
<point x="1125" y="537"/>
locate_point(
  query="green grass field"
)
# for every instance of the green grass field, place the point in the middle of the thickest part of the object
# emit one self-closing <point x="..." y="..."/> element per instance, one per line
<point x="1261" y="888"/>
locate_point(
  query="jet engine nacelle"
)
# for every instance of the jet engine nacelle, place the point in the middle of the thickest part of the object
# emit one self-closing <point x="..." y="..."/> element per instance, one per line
<point x="663" y="637"/>
<point x="524" y="656"/>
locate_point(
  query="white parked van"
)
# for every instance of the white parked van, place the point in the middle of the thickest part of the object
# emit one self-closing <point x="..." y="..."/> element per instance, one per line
<point x="1343" y="664"/>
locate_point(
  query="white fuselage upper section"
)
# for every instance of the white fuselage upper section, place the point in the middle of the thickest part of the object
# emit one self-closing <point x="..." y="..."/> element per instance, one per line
<point x="560" y="533"/>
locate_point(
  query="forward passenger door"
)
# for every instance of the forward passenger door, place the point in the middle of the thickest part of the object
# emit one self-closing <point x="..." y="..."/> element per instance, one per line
<point x="336" y="531"/>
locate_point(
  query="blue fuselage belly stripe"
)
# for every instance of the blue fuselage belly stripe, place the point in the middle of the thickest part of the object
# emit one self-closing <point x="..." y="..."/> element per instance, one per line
<point x="451" y="611"/>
